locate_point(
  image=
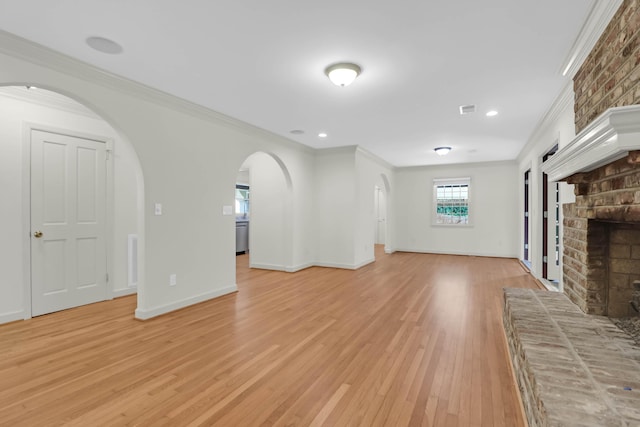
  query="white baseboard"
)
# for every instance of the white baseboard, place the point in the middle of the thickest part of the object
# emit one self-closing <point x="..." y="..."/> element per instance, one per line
<point x="291" y="269"/>
<point x="124" y="292"/>
<point x="163" y="309"/>
<point x="344" y="266"/>
<point x="299" y="267"/>
<point x="267" y="266"/>
<point x="11" y="316"/>
<point x="363" y="263"/>
<point x="308" y="265"/>
<point x="428" y="251"/>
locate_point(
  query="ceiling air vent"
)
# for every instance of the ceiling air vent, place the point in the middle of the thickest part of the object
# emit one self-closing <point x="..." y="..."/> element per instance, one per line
<point x="467" y="109"/>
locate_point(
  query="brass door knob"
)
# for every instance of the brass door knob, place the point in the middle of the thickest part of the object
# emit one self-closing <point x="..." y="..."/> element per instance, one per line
<point x="37" y="234"/>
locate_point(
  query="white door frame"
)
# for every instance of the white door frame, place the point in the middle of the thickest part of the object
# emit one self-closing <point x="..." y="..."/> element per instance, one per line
<point x="26" y="205"/>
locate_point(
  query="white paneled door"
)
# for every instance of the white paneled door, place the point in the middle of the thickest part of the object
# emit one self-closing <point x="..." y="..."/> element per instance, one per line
<point x="68" y="215"/>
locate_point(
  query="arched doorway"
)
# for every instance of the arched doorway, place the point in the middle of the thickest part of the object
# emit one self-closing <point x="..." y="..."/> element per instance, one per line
<point x="263" y="212"/>
<point x="75" y="154"/>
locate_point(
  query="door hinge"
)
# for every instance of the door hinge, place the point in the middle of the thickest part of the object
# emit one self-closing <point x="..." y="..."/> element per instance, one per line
<point x="108" y="154"/>
<point x="106" y="276"/>
<point x="544" y="259"/>
<point x="526" y="214"/>
<point x="545" y="214"/>
<point x="526" y="246"/>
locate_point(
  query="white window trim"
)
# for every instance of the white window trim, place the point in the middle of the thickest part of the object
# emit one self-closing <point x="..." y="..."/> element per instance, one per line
<point x="451" y="181"/>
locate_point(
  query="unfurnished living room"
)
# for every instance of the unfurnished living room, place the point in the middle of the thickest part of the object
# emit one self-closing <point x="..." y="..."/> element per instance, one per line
<point x="341" y="213"/>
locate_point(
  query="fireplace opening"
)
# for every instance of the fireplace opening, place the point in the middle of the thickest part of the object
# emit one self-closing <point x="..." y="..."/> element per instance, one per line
<point x="622" y="264"/>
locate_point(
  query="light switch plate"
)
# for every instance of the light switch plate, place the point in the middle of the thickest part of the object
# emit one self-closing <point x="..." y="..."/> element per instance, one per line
<point x="157" y="209"/>
<point x="227" y="210"/>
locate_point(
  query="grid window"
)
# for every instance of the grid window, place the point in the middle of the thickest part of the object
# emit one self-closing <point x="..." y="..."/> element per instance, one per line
<point x="451" y="201"/>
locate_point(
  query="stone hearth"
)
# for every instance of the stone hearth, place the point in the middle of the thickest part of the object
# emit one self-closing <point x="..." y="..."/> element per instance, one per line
<point x="572" y="369"/>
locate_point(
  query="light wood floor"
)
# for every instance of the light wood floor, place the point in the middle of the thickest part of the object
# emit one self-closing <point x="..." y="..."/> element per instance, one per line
<point x="413" y="339"/>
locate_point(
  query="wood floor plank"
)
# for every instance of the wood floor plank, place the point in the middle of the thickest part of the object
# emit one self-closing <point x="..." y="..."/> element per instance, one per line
<point x="412" y="339"/>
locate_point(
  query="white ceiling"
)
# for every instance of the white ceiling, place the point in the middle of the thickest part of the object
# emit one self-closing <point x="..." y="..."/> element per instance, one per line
<point x="263" y="62"/>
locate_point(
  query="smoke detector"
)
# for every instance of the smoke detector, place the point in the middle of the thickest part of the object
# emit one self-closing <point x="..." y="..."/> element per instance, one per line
<point x="467" y="109"/>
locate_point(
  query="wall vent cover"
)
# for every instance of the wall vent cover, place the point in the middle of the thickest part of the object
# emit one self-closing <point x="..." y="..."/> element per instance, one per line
<point x="467" y="109"/>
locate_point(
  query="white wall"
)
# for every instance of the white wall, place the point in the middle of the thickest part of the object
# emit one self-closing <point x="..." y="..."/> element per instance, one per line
<point x="15" y="114"/>
<point x="190" y="157"/>
<point x="369" y="174"/>
<point x="335" y="207"/>
<point x="557" y="127"/>
<point x="493" y="198"/>
<point x="270" y="225"/>
<point x="128" y="204"/>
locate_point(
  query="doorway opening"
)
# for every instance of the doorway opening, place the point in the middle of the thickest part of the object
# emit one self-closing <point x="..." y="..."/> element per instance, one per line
<point x="381" y="233"/>
<point x="550" y="225"/>
<point x="262" y="213"/>
<point x="380" y="209"/>
<point x="527" y="195"/>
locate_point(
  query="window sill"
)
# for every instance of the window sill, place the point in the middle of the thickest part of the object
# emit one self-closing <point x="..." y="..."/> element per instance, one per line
<point x="452" y="225"/>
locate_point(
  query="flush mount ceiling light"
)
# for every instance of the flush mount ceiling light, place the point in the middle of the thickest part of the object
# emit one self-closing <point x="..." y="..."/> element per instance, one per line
<point x="104" y="45"/>
<point x="492" y="113"/>
<point x="322" y="135"/>
<point x="342" y="74"/>
<point x="442" y="151"/>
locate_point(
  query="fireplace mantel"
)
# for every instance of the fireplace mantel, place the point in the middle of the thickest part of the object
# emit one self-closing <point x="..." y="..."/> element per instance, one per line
<point x="609" y="137"/>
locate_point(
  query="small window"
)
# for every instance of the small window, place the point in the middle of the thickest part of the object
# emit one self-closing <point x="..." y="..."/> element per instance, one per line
<point x="451" y="201"/>
<point x="242" y="200"/>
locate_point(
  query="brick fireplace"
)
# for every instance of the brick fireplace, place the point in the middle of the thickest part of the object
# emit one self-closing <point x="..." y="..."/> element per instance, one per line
<point x="601" y="259"/>
<point x="601" y="239"/>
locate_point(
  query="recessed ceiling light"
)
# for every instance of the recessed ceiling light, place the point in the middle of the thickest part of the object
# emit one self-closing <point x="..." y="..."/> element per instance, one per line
<point x="492" y="113"/>
<point x="442" y="151"/>
<point x="104" y="45"/>
<point x="297" y="131"/>
<point x="322" y="135"/>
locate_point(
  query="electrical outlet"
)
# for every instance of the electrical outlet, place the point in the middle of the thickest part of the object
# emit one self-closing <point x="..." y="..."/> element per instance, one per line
<point x="173" y="280"/>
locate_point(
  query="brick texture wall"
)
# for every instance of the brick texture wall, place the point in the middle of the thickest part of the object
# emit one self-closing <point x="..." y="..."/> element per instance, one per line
<point x="601" y="258"/>
<point x="610" y="76"/>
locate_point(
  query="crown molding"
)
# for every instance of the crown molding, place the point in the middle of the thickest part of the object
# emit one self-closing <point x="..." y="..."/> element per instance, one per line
<point x="597" y="21"/>
<point x="438" y="168"/>
<point x="346" y="149"/>
<point x="47" y="98"/>
<point x="379" y="160"/>
<point x="561" y="103"/>
<point x="36" y="54"/>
